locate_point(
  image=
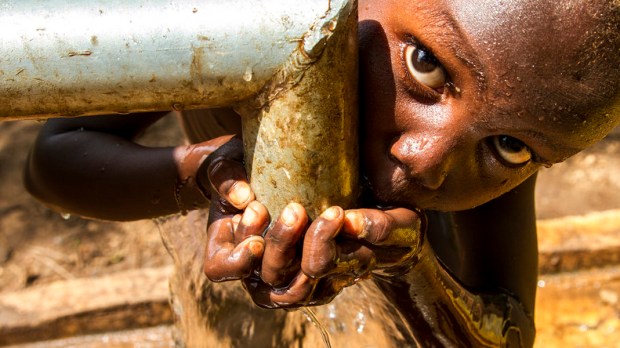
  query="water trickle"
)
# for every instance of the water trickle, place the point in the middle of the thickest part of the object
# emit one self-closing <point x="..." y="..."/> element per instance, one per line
<point x="312" y="317"/>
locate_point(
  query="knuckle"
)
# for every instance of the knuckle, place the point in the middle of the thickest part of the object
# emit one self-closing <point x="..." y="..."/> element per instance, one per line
<point x="382" y="229"/>
<point x="211" y="272"/>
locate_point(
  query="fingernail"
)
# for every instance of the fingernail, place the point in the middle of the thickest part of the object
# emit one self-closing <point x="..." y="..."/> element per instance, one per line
<point x="354" y="224"/>
<point x="249" y="215"/>
<point x="288" y="216"/>
<point x="239" y="193"/>
<point x="235" y="221"/>
<point x="331" y="213"/>
<point x="256" y="248"/>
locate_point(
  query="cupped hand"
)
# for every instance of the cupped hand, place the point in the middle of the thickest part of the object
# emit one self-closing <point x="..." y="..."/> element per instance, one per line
<point x="338" y="249"/>
<point x="297" y="262"/>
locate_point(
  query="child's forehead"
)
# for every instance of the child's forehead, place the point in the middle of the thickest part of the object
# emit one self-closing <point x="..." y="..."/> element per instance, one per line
<point x="526" y="20"/>
<point x="541" y="49"/>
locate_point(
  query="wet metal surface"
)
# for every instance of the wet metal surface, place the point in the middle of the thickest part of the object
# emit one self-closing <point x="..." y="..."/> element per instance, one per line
<point x="300" y="133"/>
<point x="71" y="57"/>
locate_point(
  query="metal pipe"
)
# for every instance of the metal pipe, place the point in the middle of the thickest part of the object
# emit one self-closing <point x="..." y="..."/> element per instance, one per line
<point x="74" y="57"/>
<point x="300" y="132"/>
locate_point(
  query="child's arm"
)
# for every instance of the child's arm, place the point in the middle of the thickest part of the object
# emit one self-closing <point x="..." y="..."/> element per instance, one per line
<point x="90" y="166"/>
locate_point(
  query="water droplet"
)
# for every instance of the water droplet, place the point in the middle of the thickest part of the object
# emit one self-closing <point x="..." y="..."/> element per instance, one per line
<point x="541" y="284"/>
<point x="360" y="322"/>
<point x="65" y="216"/>
<point x="332" y="24"/>
<point x="247" y="76"/>
<point x="331" y="314"/>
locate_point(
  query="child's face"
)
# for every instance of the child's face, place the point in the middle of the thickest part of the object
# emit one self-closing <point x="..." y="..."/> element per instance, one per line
<point x="463" y="100"/>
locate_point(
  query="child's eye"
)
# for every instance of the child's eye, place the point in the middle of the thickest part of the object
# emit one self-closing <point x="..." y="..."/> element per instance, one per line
<point x="424" y="67"/>
<point x="512" y="151"/>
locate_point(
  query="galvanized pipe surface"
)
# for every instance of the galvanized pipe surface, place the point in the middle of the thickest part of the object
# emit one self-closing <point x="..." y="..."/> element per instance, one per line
<point x="300" y="133"/>
<point x="75" y="57"/>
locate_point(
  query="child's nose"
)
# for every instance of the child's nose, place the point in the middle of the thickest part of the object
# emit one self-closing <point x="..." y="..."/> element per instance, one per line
<point x="427" y="159"/>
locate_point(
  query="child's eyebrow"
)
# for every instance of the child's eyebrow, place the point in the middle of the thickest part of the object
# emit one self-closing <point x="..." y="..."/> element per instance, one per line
<point x="446" y="31"/>
<point x="560" y="150"/>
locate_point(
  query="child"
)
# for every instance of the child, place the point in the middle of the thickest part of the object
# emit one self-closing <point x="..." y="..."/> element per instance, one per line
<point x="461" y="101"/>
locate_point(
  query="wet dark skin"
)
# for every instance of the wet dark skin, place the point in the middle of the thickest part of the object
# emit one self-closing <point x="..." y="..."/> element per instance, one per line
<point x="462" y="102"/>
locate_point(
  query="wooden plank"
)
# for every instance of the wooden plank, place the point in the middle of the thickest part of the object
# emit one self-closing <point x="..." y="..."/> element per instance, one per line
<point x="135" y="298"/>
<point x="151" y="337"/>
<point x="579" y="242"/>
<point x="579" y="309"/>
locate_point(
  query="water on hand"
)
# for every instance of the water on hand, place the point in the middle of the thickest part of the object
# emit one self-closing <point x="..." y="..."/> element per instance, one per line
<point x="223" y="315"/>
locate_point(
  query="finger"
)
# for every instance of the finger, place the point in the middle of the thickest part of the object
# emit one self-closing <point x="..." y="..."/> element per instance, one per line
<point x="280" y="261"/>
<point x="395" y="236"/>
<point x="253" y="222"/>
<point x="228" y="179"/>
<point x="225" y="173"/>
<point x="319" y="249"/>
<point x="396" y="227"/>
<point x="351" y="259"/>
<point x="224" y="260"/>
<point x="296" y="295"/>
